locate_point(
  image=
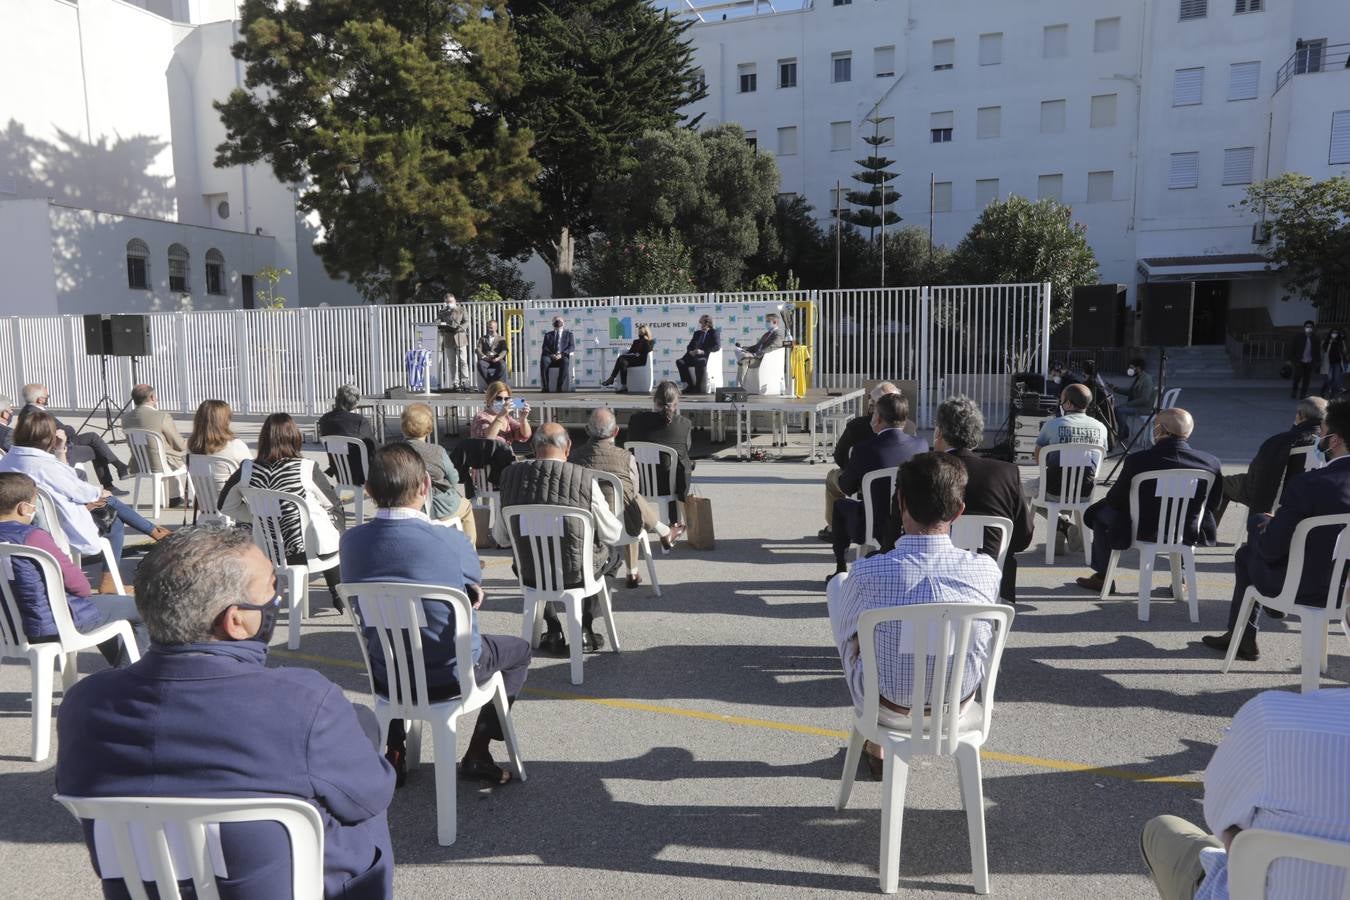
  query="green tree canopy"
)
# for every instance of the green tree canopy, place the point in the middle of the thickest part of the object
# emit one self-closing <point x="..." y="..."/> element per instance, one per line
<point x="711" y="188"/>
<point x="387" y="117"/>
<point x="597" y="75"/>
<point x="876" y="204"/>
<point x="1016" y="240"/>
<point x="650" y="262"/>
<point x="1310" y="221"/>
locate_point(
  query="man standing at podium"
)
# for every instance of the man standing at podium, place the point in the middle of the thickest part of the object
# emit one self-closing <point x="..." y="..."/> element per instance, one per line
<point x="557" y="354"/>
<point x="450" y="322"/>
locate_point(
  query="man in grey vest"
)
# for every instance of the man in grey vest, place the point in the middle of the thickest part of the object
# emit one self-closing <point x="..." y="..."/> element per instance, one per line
<point x="550" y="479"/>
<point x="600" y="454"/>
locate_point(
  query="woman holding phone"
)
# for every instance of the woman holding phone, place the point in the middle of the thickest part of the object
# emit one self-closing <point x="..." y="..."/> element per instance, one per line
<point x="502" y="418"/>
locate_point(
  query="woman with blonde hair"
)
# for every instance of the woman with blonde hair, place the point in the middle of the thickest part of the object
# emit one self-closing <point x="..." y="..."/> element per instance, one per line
<point x="447" y="502"/>
<point x="636" y="355"/>
<point x="213" y="436"/>
<point x="500" y="419"/>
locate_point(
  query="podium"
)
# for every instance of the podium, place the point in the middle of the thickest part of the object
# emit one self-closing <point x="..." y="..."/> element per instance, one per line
<point x="427" y="337"/>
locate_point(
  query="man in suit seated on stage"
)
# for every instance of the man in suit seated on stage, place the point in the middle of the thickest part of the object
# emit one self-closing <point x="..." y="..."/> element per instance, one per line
<point x="1264" y="559"/>
<point x="888" y="448"/>
<point x="1257" y="487"/>
<point x="492" y="355"/>
<point x="557" y="354"/>
<point x="1109" y="518"/>
<point x="748" y="358"/>
<point x="857" y="431"/>
<point x="693" y="365"/>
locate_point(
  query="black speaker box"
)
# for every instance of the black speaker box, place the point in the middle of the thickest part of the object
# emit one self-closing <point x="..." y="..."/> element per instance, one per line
<point x="130" y="336"/>
<point x="97" y="334"/>
<point x="1099" y="315"/>
<point x="1166" y="310"/>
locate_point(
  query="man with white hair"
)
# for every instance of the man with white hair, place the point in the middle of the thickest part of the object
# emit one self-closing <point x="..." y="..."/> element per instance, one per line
<point x="84" y="447"/>
<point x="857" y="431"/>
<point x="454" y="332"/>
<point x="600" y="454"/>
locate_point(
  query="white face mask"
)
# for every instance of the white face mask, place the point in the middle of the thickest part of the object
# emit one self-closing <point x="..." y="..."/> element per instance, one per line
<point x="1307" y="331"/>
<point x="498" y="405"/>
<point x="1130" y="371"/>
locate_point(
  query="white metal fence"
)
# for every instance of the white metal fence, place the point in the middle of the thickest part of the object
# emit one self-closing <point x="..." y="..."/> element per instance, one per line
<point x="966" y="339"/>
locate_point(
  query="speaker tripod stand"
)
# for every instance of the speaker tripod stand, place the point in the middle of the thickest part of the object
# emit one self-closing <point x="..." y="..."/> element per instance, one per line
<point x="105" y="404"/>
<point x="1148" y="422"/>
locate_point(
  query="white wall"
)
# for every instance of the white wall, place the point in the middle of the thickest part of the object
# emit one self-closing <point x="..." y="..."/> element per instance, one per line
<point x="28" y="288"/>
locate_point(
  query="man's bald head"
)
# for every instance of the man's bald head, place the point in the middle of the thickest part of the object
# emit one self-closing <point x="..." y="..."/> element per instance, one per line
<point x="1176" y="422"/>
<point x="1075" y="396"/>
<point x="551" y="441"/>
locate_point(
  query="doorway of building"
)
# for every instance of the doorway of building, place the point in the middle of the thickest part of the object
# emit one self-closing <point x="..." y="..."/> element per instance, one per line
<point x="1209" y="320"/>
<point x="246" y="285"/>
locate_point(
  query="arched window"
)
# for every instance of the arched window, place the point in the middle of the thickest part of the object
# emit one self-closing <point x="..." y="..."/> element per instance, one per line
<point x="215" y="272"/>
<point x="178" y="269"/>
<point x="138" y="265"/>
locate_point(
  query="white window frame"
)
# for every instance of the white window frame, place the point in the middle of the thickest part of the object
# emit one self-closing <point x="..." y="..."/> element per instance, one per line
<point x="788" y="148"/>
<point x="1183" y="172"/>
<point x="1244" y="80"/>
<point x="782" y="64"/>
<point x="836" y="129"/>
<point x="942" y="196"/>
<point x="1101" y="104"/>
<point x="886" y="128"/>
<point x="1094" y="186"/>
<point x="1103" y="28"/>
<point x="1188" y="86"/>
<point x="988" y="123"/>
<point x="879" y="65"/>
<point x="982" y="195"/>
<point x="845" y="57"/>
<point x="1238" y="165"/>
<point x="991" y="48"/>
<point x="940" y="126"/>
<point x="1055" y="41"/>
<point x="1190" y="10"/>
<point x="944" y="54"/>
<point x="1054" y="116"/>
<point x="1242" y="7"/>
<point x="1338" y="154"/>
<point x="1049" y="179"/>
<point x="744" y="71"/>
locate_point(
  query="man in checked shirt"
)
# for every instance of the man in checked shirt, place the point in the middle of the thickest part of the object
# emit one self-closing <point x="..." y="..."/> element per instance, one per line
<point x="924" y="567"/>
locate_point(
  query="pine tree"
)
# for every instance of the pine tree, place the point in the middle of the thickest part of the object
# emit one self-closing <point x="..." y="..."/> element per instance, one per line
<point x="878" y="196"/>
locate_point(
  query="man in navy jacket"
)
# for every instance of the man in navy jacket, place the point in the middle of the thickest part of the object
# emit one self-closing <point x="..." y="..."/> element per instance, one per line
<point x="1264" y="559"/>
<point x="556" y="354"/>
<point x="885" y="451"/>
<point x="1109" y="518"/>
<point x="201" y="715"/>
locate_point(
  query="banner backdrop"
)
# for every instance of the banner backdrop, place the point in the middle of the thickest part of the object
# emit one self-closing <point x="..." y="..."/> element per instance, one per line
<point x="601" y="333"/>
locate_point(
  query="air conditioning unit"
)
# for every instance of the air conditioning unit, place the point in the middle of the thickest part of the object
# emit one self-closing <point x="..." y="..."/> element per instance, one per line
<point x="1261" y="233"/>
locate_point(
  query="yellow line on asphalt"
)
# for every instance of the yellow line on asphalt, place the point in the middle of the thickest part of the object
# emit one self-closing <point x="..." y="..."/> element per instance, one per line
<point x="1058" y="765"/>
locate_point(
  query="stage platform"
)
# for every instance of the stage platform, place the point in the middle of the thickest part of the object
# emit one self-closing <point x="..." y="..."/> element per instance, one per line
<point x="816" y="409"/>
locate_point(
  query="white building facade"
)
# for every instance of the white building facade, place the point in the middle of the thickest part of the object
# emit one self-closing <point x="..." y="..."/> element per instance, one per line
<point x="1148" y="117"/>
<point x="109" y="197"/>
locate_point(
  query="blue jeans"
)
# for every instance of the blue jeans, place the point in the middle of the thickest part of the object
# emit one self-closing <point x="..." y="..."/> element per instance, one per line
<point x="126" y="515"/>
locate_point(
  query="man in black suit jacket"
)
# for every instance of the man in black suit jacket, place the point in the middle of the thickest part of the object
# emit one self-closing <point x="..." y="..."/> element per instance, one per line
<point x="557" y="354"/>
<point x="1264" y="559"/>
<point x="1257" y="487"/>
<point x="492" y="355"/>
<point x="857" y="431"/>
<point x="693" y="365"/>
<point x="889" y="447"/>
<point x="1109" y="518"/>
<point x="1305" y="355"/>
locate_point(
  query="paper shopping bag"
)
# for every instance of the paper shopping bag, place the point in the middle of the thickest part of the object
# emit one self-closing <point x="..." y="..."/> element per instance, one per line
<point x="699" y="518"/>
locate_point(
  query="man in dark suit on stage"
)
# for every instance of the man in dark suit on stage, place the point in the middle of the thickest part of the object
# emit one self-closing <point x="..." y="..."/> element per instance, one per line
<point x="557" y="354"/>
<point x="889" y="447"/>
<point x="748" y="358"/>
<point x="1264" y="559"/>
<point x="1109" y="518"/>
<point x="693" y="365"/>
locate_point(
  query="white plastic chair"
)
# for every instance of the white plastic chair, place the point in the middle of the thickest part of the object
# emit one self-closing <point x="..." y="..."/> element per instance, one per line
<point x="625" y="539"/>
<point x="1176" y="490"/>
<point x="149" y="452"/>
<point x="652" y="460"/>
<point x="397" y="615"/>
<point x="942" y="632"/>
<point x="338" y="448"/>
<point x="769" y="378"/>
<point x="266" y="508"/>
<point x="49" y="520"/>
<point x="540" y="527"/>
<point x="1314" y="619"/>
<point x="870" y="541"/>
<point x="1311" y="460"/>
<point x="642" y="378"/>
<point x="968" y="534"/>
<point x="714" y="375"/>
<point x="1075" y="464"/>
<point x="14" y="644"/>
<point x="163" y="840"/>
<point x="1254" y="849"/>
<point x="201" y="473"/>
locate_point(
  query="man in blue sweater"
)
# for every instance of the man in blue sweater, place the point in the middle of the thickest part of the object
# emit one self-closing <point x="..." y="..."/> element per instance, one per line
<point x="401" y="544"/>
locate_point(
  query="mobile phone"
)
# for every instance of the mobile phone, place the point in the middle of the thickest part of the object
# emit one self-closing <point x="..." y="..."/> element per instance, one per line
<point x="517" y="404"/>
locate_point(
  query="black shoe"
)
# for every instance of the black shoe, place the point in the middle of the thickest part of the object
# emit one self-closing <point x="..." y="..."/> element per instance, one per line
<point x="1247" y="650"/>
<point x="1273" y="613"/>
<point x="399" y="760"/>
<point x="338" y="604"/>
<point x="826" y="535"/>
<point x="116" y="491"/>
<point x="176" y="503"/>
<point x="591" y="642"/>
<point x="553" y="644"/>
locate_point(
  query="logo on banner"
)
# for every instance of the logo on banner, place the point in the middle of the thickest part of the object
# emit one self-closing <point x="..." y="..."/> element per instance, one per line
<point x="620" y="328"/>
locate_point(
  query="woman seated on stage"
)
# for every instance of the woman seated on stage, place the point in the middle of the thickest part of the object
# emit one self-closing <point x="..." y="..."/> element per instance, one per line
<point x="664" y="425"/>
<point x="499" y="420"/>
<point x="212" y="436"/>
<point x="636" y="356"/>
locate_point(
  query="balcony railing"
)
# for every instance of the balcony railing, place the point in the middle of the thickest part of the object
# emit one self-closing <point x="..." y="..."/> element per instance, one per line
<point x="1314" y="56"/>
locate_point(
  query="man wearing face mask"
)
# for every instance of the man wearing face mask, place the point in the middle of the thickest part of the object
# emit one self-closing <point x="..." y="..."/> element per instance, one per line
<point x="201" y="715"/>
<point x="1305" y="355"/>
<point x="492" y="355"/>
<point x="1334" y="351"/>
<point x="450" y="322"/>
<point x="557" y="354"/>
<point x="1263" y="560"/>
<point x="1273" y="465"/>
<point x="1139" y="398"/>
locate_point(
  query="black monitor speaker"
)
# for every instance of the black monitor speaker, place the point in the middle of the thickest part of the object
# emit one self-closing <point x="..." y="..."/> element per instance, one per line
<point x="1166" y="309"/>
<point x="1099" y="315"/>
<point x="106" y="335"/>
<point x="97" y="335"/>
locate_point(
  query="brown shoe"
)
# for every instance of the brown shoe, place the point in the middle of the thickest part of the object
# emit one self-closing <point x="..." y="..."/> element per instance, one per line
<point x="160" y="533"/>
<point x="107" y="586"/>
<point x="1094" y="583"/>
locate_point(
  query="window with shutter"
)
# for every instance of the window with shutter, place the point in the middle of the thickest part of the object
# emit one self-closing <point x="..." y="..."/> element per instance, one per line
<point x="1340" y="138"/>
<point x="841" y="135"/>
<point x="883" y="62"/>
<point x="1244" y="79"/>
<point x="886" y="128"/>
<point x="988" y="122"/>
<point x="745" y="73"/>
<point x="787" y="73"/>
<point x="944" y="54"/>
<point x="991" y="49"/>
<point x="1184" y="171"/>
<point x="986" y="192"/>
<point x="1050" y="187"/>
<point x="1055" y="41"/>
<point x="1194" y="9"/>
<point x="1188" y="87"/>
<point x="1052" y="116"/>
<point x="1246" y="6"/>
<point x="1100" y="187"/>
<point x="787" y="141"/>
<point x="940" y="126"/>
<point x="752" y="140"/>
<point x="842" y="64"/>
<point x="1103" y="111"/>
<point x="942" y="196"/>
<point x="1237" y="165"/>
<point x="1106" y="35"/>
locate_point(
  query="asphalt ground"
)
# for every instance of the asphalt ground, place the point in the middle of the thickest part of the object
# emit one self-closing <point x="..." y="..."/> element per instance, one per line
<point x="703" y="760"/>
